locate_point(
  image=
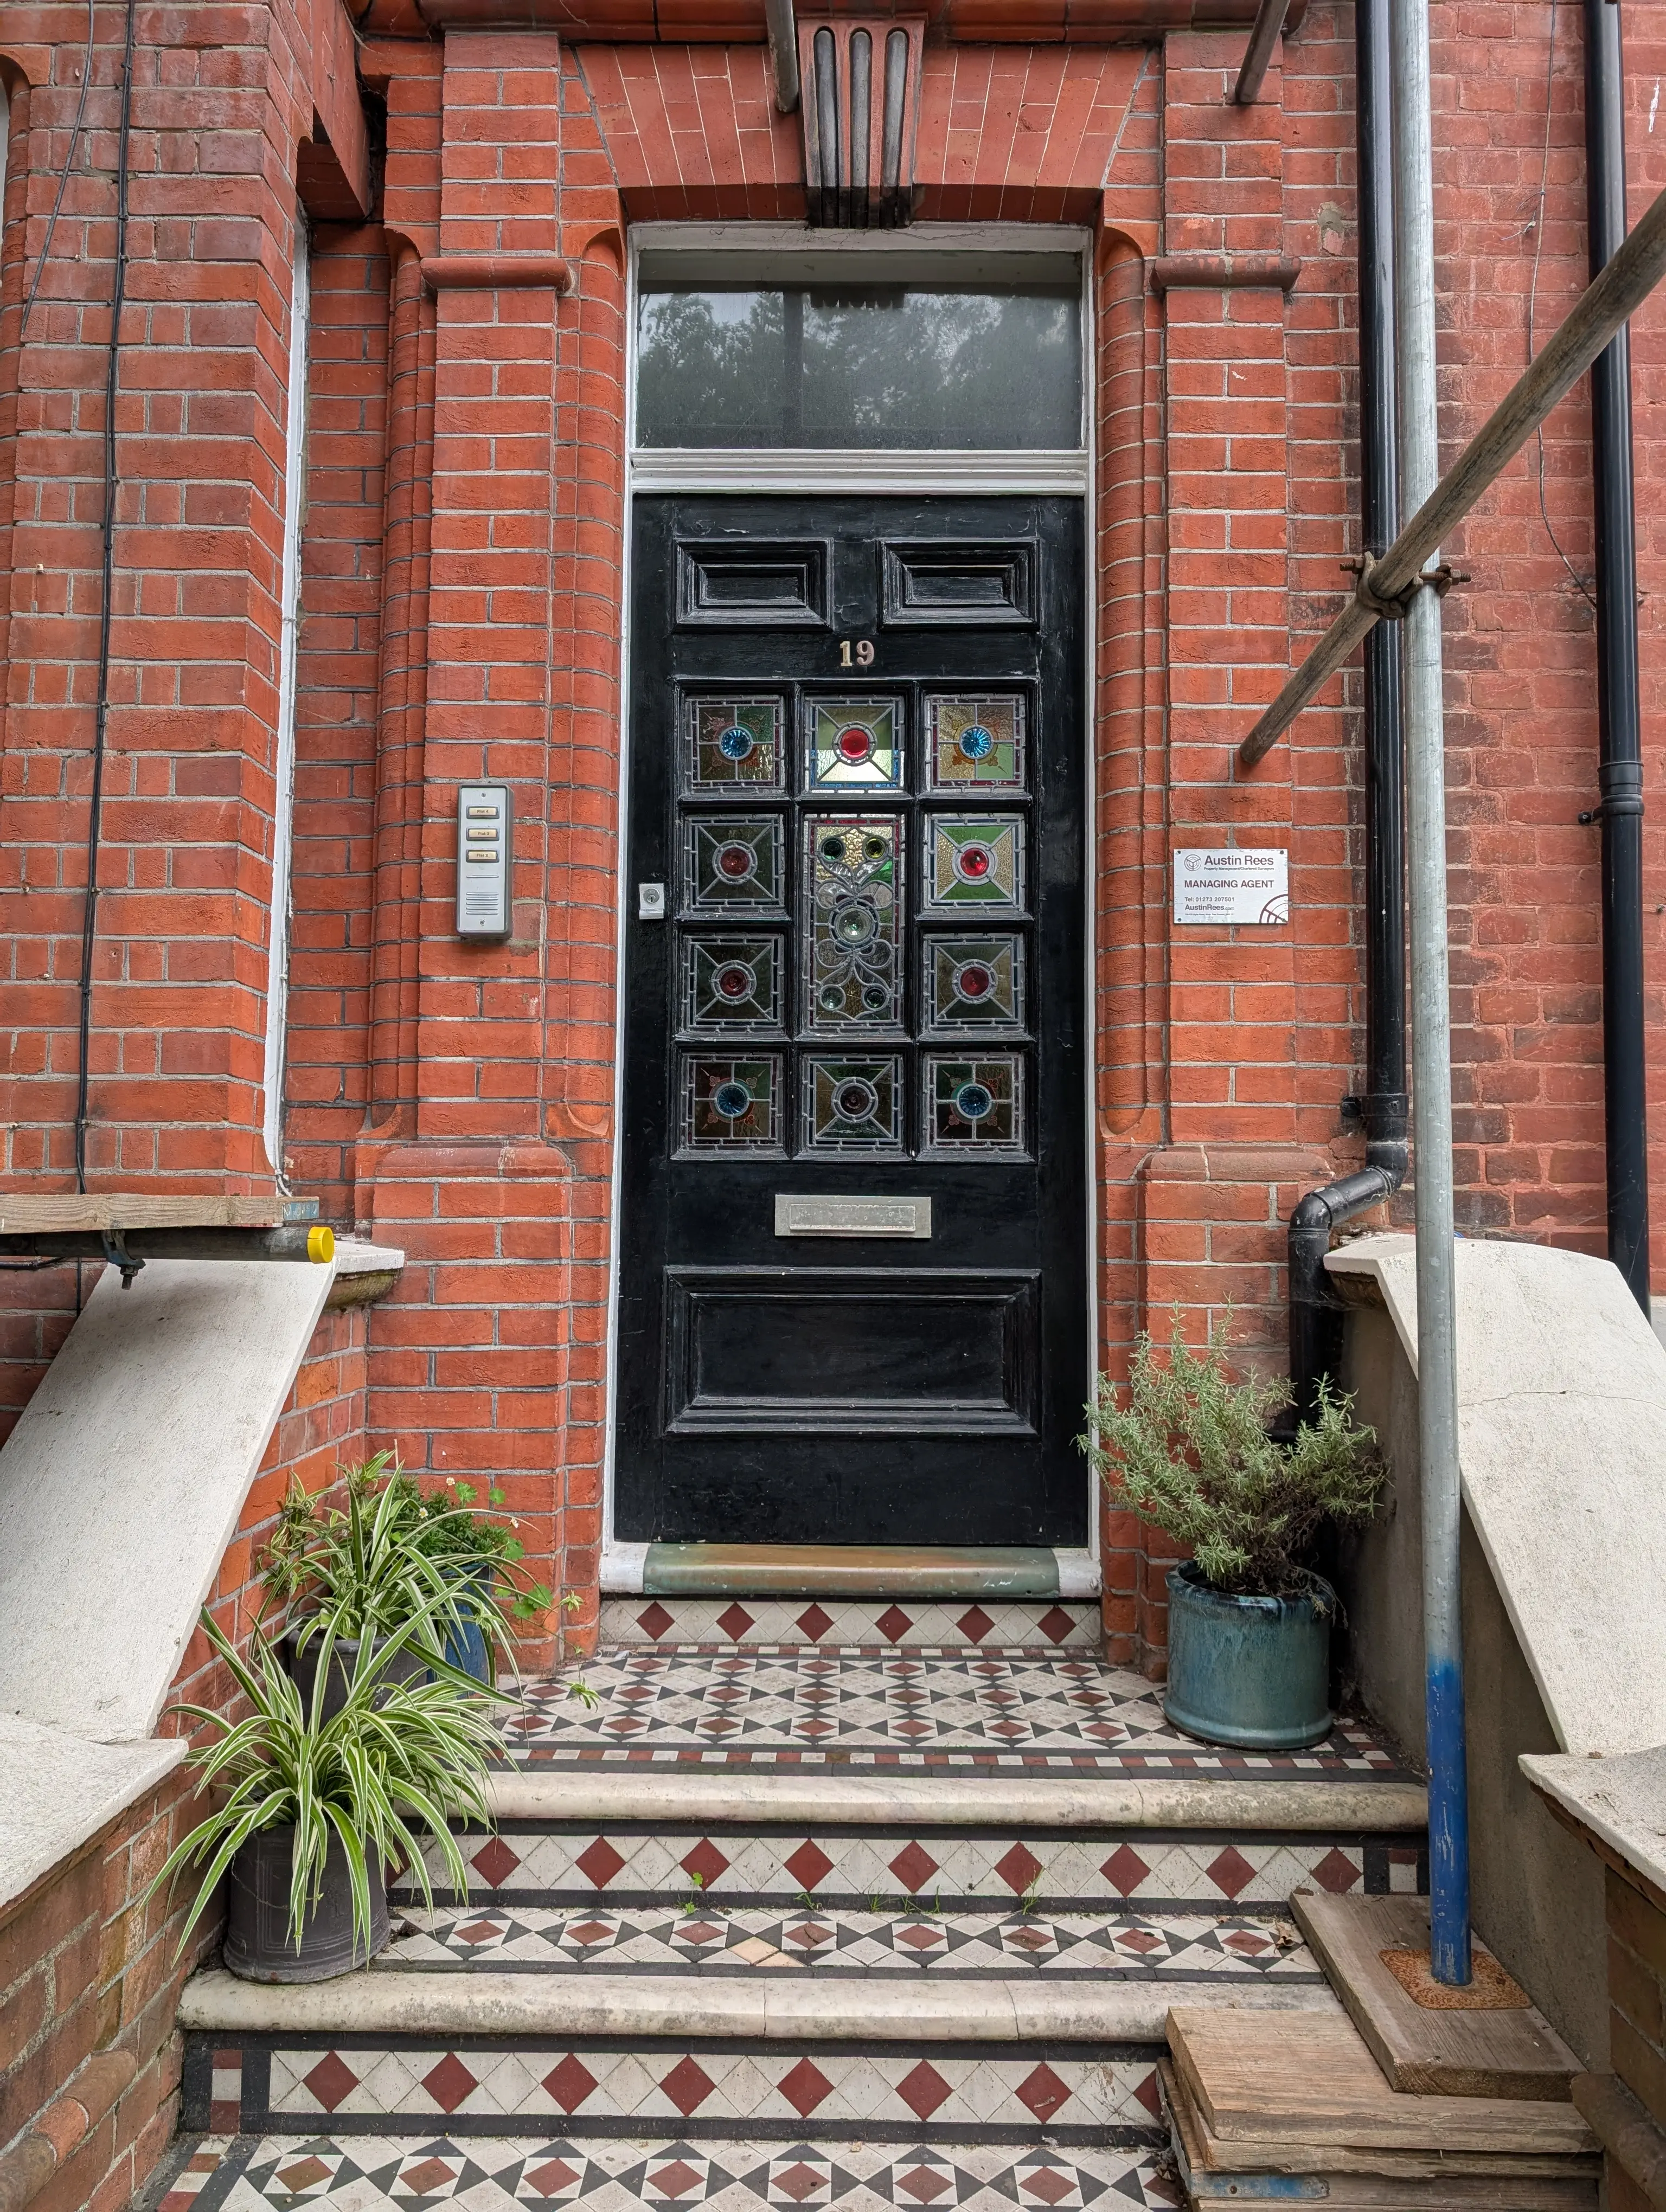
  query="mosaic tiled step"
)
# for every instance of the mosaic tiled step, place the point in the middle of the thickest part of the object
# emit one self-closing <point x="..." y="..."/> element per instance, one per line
<point x="703" y="1940"/>
<point x="621" y="1865"/>
<point x="967" y="1708"/>
<point x="876" y="1623"/>
<point x="989" y="2094"/>
<point x="399" y="2173"/>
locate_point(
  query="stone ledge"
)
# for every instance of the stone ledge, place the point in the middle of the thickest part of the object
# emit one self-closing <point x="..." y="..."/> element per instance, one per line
<point x="799" y="2008"/>
<point x="364" y="1272"/>
<point x="732" y="1797"/>
<point x="61" y="1792"/>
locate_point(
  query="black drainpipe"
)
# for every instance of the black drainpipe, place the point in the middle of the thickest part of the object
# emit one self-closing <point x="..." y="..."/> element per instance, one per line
<point x="1316" y="1317"/>
<point x="1619" y="770"/>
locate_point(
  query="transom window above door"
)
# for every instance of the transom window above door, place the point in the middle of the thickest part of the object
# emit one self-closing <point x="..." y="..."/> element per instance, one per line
<point x="862" y="351"/>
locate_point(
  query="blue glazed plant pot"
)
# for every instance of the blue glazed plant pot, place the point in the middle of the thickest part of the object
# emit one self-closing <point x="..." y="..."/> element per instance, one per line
<point x="466" y="1646"/>
<point x="1252" y="1672"/>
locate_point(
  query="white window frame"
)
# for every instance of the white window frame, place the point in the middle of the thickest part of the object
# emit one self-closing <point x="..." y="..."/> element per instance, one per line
<point x="819" y="470"/>
<point x="283" y="764"/>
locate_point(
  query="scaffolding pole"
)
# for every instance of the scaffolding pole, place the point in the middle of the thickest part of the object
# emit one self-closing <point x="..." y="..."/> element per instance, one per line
<point x="1431" y="1027"/>
<point x="1386" y="585"/>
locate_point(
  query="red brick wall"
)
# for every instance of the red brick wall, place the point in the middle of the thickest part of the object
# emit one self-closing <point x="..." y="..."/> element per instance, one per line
<point x="89" y="2060"/>
<point x="462" y="551"/>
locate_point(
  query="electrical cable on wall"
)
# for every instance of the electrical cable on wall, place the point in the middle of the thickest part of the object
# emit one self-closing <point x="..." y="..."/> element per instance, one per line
<point x="63" y="179"/>
<point x="101" y="705"/>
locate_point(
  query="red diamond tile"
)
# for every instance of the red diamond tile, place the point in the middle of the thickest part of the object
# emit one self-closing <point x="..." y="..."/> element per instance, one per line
<point x="734" y="1620"/>
<point x="687" y="2085"/>
<point x="1051" y="2186"/>
<point x="1125" y="1869"/>
<point x="549" y="2180"/>
<point x="974" y="1625"/>
<point x="1055" y="1624"/>
<point x="925" y="2184"/>
<point x="598" y="1862"/>
<point x="804" y="2086"/>
<point x="1018" y="1869"/>
<point x="1231" y="1873"/>
<point x="1138" y="1940"/>
<point x="1043" y="2092"/>
<point x="449" y="2082"/>
<point x="1246" y="1945"/>
<point x="494" y="1862"/>
<point x="676" y="2180"/>
<point x="588" y="1931"/>
<point x="923" y="2090"/>
<point x="1030" y="1939"/>
<point x="893" y="1624"/>
<point x="653" y="1620"/>
<point x="331" y="2080"/>
<point x="425" y="2176"/>
<point x="808" y="1935"/>
<point x="808" y="1864"/>
<point x="705" y="1862"/>
<point x="571" y="2082"/>
<point x="798" y="2181"/>
<point x="1337" y="1873"/>
<point x="813" y="1622"/>
<point x="303" y="2175"/>
<point x="480" y="1931"/>
<point x="698" y="1931"/>
<point x="914" y="1867"/>
<point x="921" y="1938"/>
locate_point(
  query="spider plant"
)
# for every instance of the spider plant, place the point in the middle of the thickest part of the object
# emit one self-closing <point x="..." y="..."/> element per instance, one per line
<point x="394" y="1754"/>
<point x="361" y="1572"/>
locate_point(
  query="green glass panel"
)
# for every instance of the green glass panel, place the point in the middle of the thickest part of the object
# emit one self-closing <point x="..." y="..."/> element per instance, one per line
<point x="974" y="982"/>
<point x="733" y="744"/>
<point x="854" y="744"/>
<point x="974" y="1105"/>
<point x="732" y="1105"/>
<point x="974" y="744"/>
<point x="733" y="861"/>
<point x="976" y="862"/>
<point x="732" y="982"/>
<point x="852" y="1105"/>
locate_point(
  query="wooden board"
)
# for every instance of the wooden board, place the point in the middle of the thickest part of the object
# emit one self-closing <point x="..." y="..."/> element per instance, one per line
<point x="1309" y="2078"/>
<point x="1516" y="2054"/>
<point x="1216" y="2164"/>
<point x="67" y="1213"/>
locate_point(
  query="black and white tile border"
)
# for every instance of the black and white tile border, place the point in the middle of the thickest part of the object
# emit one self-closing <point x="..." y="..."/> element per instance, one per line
<point x="383" y="2174"/>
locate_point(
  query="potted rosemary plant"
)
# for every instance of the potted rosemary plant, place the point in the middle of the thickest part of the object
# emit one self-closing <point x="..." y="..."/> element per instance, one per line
<point x="311" y="1805"/>
<point x="1189" y="1452"/>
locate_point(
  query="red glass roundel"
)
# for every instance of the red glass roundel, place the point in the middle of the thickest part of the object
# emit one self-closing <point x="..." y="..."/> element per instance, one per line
<point x="737" y="862"/>
<point x="735" y="981"/>
<point x="855" y="744"/>
<point x="974" y="981"/>
<point x="974" y="862"/>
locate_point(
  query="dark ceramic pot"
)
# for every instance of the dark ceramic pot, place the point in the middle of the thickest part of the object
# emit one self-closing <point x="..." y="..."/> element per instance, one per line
<point x="1253" y="1672"/>
<point x="258" y="1946"/>
<point x="302" y="1662"/>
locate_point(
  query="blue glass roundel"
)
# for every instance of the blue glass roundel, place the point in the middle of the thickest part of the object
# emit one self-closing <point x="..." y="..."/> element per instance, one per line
<point x="976" y="743"/>
<point x="732" y="1101"/>
<point x="972" y="1101"/>
<point x="736" y="744"/>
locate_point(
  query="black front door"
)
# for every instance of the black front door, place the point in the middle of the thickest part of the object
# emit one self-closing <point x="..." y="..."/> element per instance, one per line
<point x="854" y="1246"/>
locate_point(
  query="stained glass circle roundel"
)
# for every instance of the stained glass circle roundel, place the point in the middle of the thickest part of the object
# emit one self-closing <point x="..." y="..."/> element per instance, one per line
<point x="738" y="744"/>
<point x="973" y="980"/>
<point x="855" y="1100"/>
<point x="731" y="1100"/>
<point x="976" y="743"/>
<point x="972" y="1101"/>
<point x="855" y="744"/>
<point x="736" y="861"/>
<point x="972" y="862"/>
<point x="734" y="981"/>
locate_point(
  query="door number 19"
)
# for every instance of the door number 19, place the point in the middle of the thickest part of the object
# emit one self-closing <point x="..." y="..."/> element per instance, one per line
<point x="859" y="654"/>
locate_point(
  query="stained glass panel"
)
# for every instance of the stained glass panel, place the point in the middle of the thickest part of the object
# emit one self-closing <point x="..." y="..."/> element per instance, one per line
<point x="974" y="982"/>
<point x="974" y="1105"/>
<point x="853" y="927"/>
<point x="976" y="863"/>
<point x="732" y="1105"/>
<point x="733" y="744"/>
<point x="854" y="744"/>
<point x="733" y="861"/>
<point x="732" y="982"/>
<point x="974" y="744"/>
<point x="852" y="1105"/>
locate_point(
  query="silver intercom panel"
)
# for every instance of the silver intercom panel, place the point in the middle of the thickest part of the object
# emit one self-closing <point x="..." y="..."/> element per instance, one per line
<point x="484" y="823"/>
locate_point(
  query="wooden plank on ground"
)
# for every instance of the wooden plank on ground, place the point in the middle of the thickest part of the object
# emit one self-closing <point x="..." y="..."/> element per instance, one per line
<point x="1309" y="2077"/>
<point x="1218" y="2165"/>
<point x="1424" y="2052"/>
<point x="66" y="1212"/>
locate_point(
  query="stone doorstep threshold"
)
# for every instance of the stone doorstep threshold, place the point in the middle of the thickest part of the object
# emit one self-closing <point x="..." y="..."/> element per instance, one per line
<point x="785" y="2008"/>
<point x="900" y="1571"/>
<point x="730" y="1797"/>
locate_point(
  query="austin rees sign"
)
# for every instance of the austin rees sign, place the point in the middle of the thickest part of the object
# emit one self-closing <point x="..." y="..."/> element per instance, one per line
<point x="1232" y="885"/>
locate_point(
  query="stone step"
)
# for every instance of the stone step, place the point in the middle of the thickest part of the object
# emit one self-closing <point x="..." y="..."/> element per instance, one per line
<point x="384" y="2172"/>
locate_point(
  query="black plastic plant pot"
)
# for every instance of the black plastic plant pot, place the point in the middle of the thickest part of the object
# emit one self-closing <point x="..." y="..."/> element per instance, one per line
<point x="301" y="1661"/>
<point x="258" y="1946"/>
